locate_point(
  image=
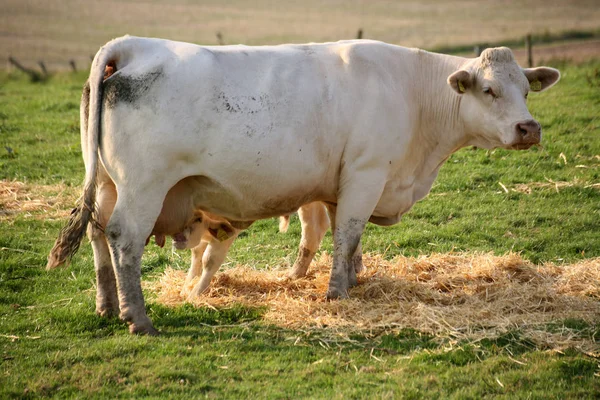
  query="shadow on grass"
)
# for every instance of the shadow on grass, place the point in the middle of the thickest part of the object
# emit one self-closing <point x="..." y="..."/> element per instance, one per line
<point x="188" y="315"/>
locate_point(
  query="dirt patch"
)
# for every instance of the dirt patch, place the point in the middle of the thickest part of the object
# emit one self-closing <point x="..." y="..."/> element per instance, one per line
<point x="459" y="296"/>
<point x="35" y="201"/>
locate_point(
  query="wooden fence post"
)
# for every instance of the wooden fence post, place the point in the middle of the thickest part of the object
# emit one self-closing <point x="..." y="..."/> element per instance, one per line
<point x="220" y="38"/>
<point x="529" y="50"/>
<point x="43" y="67"/>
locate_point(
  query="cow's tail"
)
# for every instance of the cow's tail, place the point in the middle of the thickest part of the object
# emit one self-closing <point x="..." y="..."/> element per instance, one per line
<point x="71" y="235"/>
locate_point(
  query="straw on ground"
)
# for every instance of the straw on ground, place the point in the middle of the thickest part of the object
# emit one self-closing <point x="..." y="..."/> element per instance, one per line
<point x="460" y="296"/>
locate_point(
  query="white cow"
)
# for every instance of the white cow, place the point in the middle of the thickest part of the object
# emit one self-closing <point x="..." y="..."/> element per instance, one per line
<point x="256" y="132"/>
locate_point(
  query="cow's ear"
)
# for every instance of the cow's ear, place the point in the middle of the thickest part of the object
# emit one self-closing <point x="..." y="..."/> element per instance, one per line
<point x="541" y="78"/>
<point x="460" y="81"/>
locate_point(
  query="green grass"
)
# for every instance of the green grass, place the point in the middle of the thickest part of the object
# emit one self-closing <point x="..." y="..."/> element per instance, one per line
<point x="52" y="343"/>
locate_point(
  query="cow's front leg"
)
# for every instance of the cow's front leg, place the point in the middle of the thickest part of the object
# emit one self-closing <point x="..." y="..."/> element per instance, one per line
<point x="213" y="257"/>
<point x="129" y="226"/>
<point x="107" y="301"/>
<point x="356" y="260"/>
<point x="314" y="222"/>
<point x="356" y="202"/>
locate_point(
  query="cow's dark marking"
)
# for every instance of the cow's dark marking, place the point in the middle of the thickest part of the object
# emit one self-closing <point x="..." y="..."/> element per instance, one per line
<point x="127" y="248"/>
<point x="226" y="104"/>
<point x="113" y="232"/>
<point x="302" y="262"/>
<point x="250" y="132"/>
<point x="352" y="233"/>
<point x="119" y="88"/>
<point x="244" y="104"/>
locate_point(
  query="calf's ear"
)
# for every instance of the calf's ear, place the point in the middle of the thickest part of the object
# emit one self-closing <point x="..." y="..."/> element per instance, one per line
<point x="541" y="78"/>
<point x="460" y="81"/>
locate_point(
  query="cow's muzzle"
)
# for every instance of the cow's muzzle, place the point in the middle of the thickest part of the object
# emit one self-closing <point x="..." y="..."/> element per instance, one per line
<point x="528" y="133"/>
<point x="180" y="241"/>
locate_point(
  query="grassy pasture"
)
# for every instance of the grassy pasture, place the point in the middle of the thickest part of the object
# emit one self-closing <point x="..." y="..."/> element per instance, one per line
<point x="543" y="203"/>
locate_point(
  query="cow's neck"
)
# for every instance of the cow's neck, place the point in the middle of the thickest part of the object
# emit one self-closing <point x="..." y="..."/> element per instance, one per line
<point x="438" y="130"/>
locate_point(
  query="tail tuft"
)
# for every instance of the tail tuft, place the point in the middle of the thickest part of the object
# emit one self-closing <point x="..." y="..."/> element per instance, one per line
<point x="71" y="235"/>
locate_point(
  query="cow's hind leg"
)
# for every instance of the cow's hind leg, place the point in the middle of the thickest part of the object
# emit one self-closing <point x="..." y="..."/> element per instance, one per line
<point x="213" y="257"/>
<point x="107" y="301"/>
<point x="314" y="222"/>
<point x="130" y="224"/>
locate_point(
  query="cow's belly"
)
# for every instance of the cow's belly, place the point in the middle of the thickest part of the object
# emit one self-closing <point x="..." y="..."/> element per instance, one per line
<point x="250" y="187"/>
<point x="240" y="200"/>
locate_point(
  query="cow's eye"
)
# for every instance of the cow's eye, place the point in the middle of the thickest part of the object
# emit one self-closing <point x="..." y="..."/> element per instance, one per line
<point x="198" y="220"/>
<point x="489" y="91"/>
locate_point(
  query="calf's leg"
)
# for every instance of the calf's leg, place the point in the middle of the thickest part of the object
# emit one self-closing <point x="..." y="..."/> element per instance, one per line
<point x="213" y="257"/>
<point x="314" y="222"/>
<point x="196" y="266"/>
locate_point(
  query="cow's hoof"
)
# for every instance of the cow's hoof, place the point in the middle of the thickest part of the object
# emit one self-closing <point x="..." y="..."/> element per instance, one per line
<point x="359" y="267"/>
<point x="143" y="330"/>
<point x="197" y="291"/>
<point x="297" y="272"/>
<point x="107" y="311"/>
<point x="195" y="294"/>
<point x="335" y="293"/>
<point x="352" y="281"/>
<point x="357" y="264"/>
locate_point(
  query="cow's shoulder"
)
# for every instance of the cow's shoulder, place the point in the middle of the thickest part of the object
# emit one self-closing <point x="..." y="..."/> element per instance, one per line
<point x="367" y="52"/>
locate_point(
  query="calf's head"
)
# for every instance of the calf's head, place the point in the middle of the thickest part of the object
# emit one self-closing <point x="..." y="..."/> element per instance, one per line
<point x="192" y="234"/>
<point x="494" y="91"/>
<point x="202" y="227"/>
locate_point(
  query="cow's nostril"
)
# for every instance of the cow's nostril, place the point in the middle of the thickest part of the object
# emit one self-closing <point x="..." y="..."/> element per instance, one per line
<point x="522" y="130"/>
<point x="528" y="128"/>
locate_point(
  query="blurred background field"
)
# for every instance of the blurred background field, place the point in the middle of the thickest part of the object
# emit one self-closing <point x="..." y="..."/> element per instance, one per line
<point x="56" y="32"/>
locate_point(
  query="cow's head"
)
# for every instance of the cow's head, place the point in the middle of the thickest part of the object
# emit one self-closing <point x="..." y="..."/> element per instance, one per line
<point x="493" y="106"/>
